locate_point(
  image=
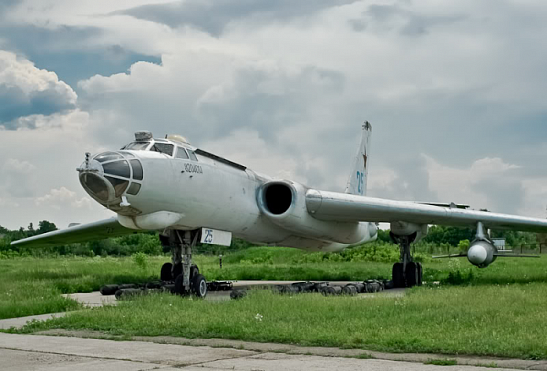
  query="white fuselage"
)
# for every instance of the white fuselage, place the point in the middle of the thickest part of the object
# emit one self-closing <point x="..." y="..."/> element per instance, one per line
<point x="211" y="192"/>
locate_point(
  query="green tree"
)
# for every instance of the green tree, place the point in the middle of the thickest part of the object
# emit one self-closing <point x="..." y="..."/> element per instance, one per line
<point x="44" y="226"/>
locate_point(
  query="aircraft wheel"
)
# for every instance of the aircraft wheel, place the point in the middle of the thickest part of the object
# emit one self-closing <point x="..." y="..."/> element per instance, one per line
<point x="420" y="273"/>
<point x="411" y="274"/>
<point x="177" y="270"/>
<point x="179" y="285"/>
<point x="199" y="286"/>
<point x="397" y="275"/>
<point x="194" y="270"/>
<point x="166" y="274"/>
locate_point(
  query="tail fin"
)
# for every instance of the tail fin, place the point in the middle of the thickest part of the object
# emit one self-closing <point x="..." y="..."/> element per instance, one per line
<point x="357" y="182"/>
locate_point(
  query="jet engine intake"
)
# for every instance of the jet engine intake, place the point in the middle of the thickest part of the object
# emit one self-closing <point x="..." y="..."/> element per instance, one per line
<point x="481" y="253"/>
<point x="284" y="204"/>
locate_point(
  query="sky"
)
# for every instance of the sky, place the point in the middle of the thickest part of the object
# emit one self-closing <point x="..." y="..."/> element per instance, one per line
<point x="455" y="92"/>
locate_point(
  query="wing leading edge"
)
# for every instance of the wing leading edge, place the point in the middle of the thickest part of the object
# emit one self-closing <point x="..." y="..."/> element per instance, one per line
<point x="80" y="233"/>
<point x="345" y="207"/>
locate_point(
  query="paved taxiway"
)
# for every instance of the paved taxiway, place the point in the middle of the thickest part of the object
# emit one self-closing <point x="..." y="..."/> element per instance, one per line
<point x="48" y="353"/>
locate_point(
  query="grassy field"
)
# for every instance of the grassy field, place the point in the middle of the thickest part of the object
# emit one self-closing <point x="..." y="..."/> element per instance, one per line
<point x="508" y="320"/>
<point x="33" y="286"/>
<point x="499" y="310"/>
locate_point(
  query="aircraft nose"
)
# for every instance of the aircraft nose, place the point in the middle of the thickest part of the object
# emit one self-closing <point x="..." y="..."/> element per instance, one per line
<point x="108" y="176"/>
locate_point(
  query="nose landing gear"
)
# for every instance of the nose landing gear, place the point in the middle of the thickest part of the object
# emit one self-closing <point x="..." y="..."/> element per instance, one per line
<point x="407" y="272"/>
<point x="181" y="270"/>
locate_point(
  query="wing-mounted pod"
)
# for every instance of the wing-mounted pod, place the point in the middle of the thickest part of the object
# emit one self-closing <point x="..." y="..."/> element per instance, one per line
<point x="284" y="204"/>
<point x="482" y="251"/>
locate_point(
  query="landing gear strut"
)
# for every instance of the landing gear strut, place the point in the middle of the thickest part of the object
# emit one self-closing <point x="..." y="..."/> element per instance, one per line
<point x="181" y="270"/>
<point x="406" y="273"/>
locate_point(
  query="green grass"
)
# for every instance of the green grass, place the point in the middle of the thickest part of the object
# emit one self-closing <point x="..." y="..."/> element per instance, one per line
<point x="31" y="286"/>
<point x="498" y="311"/>
<point x="508" y="320"/>
<point x="441" y="362"/>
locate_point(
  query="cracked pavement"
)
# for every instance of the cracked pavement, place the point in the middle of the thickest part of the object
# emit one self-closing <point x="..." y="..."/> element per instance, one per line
<point x="39" y="352"/>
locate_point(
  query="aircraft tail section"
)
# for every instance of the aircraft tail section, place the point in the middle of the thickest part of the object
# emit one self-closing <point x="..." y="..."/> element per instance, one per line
<point x="357" y="182"/>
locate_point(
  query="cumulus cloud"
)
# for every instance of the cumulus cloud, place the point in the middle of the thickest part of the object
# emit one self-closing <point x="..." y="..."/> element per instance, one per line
<point x="63" y="197"/>
<point x="74" y="119"/>
<point x="18" y="178"/>
<point x="488" y="183"/>
<point x="213" y="16"/>
<point x="26" y="90"/>
<point x="284" y="87"/>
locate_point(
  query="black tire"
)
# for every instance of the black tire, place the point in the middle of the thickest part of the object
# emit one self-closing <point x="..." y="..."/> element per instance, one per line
<point x="349" y="289"/>
<point x="411" y="274"/>
<point x="397" y="275"/>
<point x="388" y="285"/>
<point x="318" y="286"/>
<point x="194" y="270"/>
<point x="166" y="272"/>
<point x="179" y="286"/>
<point x="198" y="285"/>
<point x="177" y="270"/>
<point x="128" y="293"/>
<point x="420" y="273"/>
<point x="153" y="285"/>
<point x="109" y="289"/>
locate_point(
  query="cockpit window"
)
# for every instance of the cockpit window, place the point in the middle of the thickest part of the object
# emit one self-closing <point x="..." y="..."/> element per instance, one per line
<point x="137" y="169"/>
<point x="119" y="185"/>
<point x="192" y="155"/>
<point x="163" y="148"/>
<point x="137" y="146"/>
<point x="108" y="156"/>
<point x="181" y="153"/>
<point x="118" y="168"/>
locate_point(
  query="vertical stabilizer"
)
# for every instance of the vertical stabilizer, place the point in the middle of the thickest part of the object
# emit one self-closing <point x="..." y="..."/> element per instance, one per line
<point x="357" y="182"/>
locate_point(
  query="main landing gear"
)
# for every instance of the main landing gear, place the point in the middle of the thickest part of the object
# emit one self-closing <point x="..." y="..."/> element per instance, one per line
<point x="406" y="273"/>
<point x="181" y="270"/>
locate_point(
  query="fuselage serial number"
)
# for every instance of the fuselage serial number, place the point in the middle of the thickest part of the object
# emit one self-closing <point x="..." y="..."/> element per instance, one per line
<point x="190" y="168"/>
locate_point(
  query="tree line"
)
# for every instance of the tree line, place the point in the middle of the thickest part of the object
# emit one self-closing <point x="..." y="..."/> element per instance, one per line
<point x="439" y="238"/>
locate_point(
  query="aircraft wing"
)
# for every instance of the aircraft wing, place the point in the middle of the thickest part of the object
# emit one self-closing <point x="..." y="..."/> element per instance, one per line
<point x="346" y="207"/>
<point x="80" y="233"/>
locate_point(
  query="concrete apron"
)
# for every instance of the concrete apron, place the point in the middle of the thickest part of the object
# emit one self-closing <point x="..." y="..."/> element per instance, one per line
<point x="24" y="352"/>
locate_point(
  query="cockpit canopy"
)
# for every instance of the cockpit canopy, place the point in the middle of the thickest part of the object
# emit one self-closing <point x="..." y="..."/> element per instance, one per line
<point x="144" y="141"/>
<point x="156" y="145"/>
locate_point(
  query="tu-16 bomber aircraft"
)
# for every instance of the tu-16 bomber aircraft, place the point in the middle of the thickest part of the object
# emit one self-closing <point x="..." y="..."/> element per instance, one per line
<point x="190" y="196"/>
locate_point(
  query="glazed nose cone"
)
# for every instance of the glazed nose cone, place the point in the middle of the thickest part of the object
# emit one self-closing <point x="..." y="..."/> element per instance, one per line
<point x="105" y="177"/>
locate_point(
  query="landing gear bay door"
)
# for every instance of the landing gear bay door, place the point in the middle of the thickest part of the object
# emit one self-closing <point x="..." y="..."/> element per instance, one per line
<point x="215" y="237"/>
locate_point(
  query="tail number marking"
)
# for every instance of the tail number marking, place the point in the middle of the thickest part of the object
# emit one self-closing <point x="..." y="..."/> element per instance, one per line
<point x="360" y="176"/>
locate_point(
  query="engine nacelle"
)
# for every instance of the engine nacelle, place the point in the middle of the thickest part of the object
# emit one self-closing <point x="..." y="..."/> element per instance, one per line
<point x="405" y="229"/>
<point x="481" y="253"/>
<point x="284" y="203"/>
